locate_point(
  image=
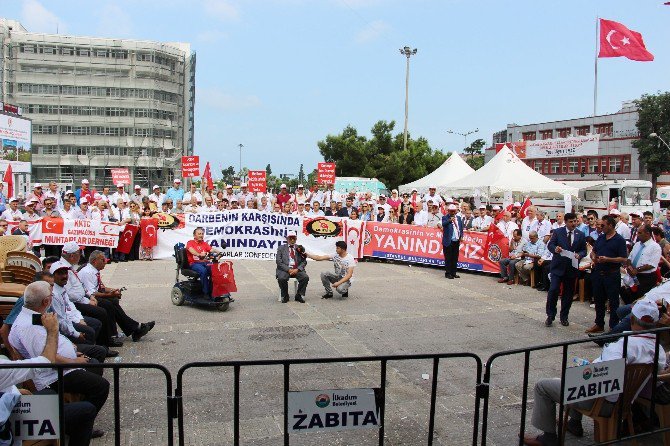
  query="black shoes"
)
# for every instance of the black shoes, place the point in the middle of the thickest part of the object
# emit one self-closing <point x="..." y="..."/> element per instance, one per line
<point x="111" y="353"/>
<point x="448" y="276"/>
<point x="97" y="433"/>
<point x="298" y="298"/>
<point x="345" y="294"/>
<point x="456" y="276"/>
<point x="565" y="322"/>
<point x="284" y="299"/>
<point x="575" y="428"/>
<point x="549" y="322"/>
<point x="142" y="330"/>
<point x="327" y="296"/>
<point x="114" y="342"/>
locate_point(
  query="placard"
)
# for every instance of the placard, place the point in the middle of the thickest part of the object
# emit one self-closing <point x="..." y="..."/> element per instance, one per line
<point x="121" y="175"/>
<point x="594" y="380"/>
<point x="190" y="166"/>
<point x="326" y="173"/>
<point x="35" y="417"/>
<point x="257" y="181"/>
<point x="333" y="410"/>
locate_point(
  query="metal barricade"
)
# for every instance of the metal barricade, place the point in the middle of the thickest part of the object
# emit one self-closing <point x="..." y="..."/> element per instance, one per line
<point x="487" y="382"/>
<point x="286" y="364"/>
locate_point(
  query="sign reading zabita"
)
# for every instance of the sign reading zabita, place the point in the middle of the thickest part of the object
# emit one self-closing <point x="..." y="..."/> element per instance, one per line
<point x="333" y="410"/>
<point x="594" y="380"/>
<point x="554" y="148"/>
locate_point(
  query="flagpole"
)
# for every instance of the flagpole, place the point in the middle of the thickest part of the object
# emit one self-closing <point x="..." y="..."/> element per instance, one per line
<point x="595" y="80"/>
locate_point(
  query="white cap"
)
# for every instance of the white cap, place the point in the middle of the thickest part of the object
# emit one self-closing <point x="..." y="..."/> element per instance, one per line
<point x="482" y="206"/>
<point x="394" y="190"/>
<point x="37" y="185"/>
<point x="243" y="184"/>
<point x="119" y="184"/>
<point x="283" y="186"/>
<point x="156" y="186"/>
<point x="449" y="200"/>
<point x="432" y="186"/>
<point x="229" y="186"/>
<point x="137" y="186"/>
<point x="382" y="196"/>
<point x="614" y="212"/>
<point x="83" y="200"/>
<point x="635" y="212"/>
<point x="646" y="311"/>
<point x="59" y="265"/>
<point x="177" y="181"/>
<point x="516" y="204"/>
<point x="300" y="186"/>
<point x="67" y="192"/>
<point x="414" y="189"/>
<point x="13" y="199"/>
<point x="496" y="208"/>
<point x="70" y="247"/>
<point x="291" y="234"/>
<point x="452" y="207"/>
<point x="33" y="200"/>
<point x="84" y="181"/>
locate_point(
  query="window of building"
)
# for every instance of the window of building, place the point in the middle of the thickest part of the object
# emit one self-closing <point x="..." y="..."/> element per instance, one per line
<point x="86" y="52"/>
<point x="546" y="134"/>
<point x="563" y="133"/>
<point x="573" y="165"/>
<point x="555" y="166"/>
<point x="615" y="164"/>
<point x="582" y="130"/>
<point x="594" y="165"/>
<point x="48" y="50"/>
<point x="100" y="52"/>
<point x="528" y="136"/>
<point x="67" y="51"/>
<point x="27" y="48"/>
<point x="604" y="129"/>
<point x="626" y="164"/>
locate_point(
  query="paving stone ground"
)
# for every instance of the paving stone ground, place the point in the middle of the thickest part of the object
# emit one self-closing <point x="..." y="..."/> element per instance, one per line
<point x="392" y="309"/>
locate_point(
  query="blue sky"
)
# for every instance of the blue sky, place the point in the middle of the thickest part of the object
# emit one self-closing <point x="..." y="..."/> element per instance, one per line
<point x="279" y="75"/>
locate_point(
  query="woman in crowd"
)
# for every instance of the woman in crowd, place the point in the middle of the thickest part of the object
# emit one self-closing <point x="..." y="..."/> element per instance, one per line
<point x="146" y="253"/>
<point x="394" y="200"/>
<point x="393" y="215"/>
<point x="407" y="214"/>
<point x="366" y="215"/>
<point x="353" y="215"/>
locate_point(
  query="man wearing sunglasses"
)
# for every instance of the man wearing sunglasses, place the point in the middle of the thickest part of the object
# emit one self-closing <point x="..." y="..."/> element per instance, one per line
<point x="38" y="196"/>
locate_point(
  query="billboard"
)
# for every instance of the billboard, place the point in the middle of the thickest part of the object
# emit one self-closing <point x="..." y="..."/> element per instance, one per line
<point x="16" y="137"/>
<point x="554" y="148"/>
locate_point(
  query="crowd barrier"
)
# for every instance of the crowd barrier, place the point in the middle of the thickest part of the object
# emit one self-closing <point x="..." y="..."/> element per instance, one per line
<point x="482" y="373"/>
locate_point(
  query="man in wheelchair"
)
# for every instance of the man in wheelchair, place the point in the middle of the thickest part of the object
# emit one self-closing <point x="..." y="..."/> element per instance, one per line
<point x="199" y="254"/>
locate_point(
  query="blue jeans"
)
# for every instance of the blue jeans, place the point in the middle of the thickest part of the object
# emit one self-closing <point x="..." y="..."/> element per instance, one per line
<point x="606" y="289"/>
<point x="623" y="313"/>
<point x="507" y="268"/>
<point x="205" y="271"/>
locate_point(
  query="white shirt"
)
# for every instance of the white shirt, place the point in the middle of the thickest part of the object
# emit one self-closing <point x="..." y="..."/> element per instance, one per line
<point x="74" y="286"/>
<point x="194" y="209"/>
<point x="319" y="213"/>
<point x="73" y="214"/>
<point x="623" y="230"/>
<point x="651" y="255"/>
<point x="343" y="264"/>
<point x="11" y="215"/>
<point x="66" y="311"/>
<point x="89" y="279"/>
<point x="507" y="228"/>
<point x="435" y="198"/>
<point x="12" y="377"/>
<point x="29" y="340"/>
<point x="555" y="225"/>
<point x="542" y="227"/>
<point x="158" y="199"/>
<point x="116" y="196"/>
<point x="528" y="225"/>
<point x="137" y="198"/>
<point x="31" y="217"/>
<point x="56" y="197"/>
<point x="482" y="222"/>
<point x="661" y="292"/>
<point x="433" y="220"/>
<point x="121" y="214"/>
<point x="188" y="195"/>
<point x="245" y="197"/>
<point x="421" y="218"/>
<point x="212" y="208"/>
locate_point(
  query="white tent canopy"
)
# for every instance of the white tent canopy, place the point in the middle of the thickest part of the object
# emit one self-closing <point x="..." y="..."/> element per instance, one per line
<point x="506" y="172"/>
<point x="454" y="168"/>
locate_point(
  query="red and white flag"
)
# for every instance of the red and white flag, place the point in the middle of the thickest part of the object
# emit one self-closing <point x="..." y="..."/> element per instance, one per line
<point x="126" y="238"/>
<point x="207" y="176"/>
<point x="9" y="179"/>
<point x="223" y="279"/>
<point x="526" y="204"/>
<point x="616" y="40"/>
<point x="149" y="228"/>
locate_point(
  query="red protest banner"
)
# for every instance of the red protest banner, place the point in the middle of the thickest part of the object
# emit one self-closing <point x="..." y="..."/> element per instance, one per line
<point x="121" y="175"/>
<point x="190" y="166"/>
<point x="326" y="173"/>
<point x="257" y="181"/>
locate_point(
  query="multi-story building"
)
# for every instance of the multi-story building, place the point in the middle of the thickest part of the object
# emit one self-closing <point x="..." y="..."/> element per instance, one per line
<point x="99" y="103"/>
<point x="616" y="157"/>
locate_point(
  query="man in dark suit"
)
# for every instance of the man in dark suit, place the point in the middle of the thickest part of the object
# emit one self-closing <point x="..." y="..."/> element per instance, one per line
<point x="562" y="272"/>
<point x="291" y="263"/>
<point x="344" y="212"/>
<point x="452" y="232"/>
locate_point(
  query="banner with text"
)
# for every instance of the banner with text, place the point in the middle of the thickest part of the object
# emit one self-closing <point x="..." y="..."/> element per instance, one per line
<point x="190" y="166"/>
<point x="120" y="176"/>
<point x="56" y="231"/>
<point x="326" y="173"/>
<point x="257" y="181"/>
<point x="555" y="148"/>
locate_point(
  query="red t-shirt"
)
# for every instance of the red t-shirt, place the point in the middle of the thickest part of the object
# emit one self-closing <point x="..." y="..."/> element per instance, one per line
<point x="283" y="198"/>
<point x="200" y="247"/>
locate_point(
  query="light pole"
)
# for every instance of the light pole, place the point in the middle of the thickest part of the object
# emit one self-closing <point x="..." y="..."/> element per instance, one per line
<point x="656" y="135"/>
<point x="407" y="52"/>
<point x="241" y="145"/>
<point x="464" y="135"/>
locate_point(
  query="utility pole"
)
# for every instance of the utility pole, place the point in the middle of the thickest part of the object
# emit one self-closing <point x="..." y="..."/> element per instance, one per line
<point x="241" y="145"/>
<point x="464" y="135"/>
<point x="407" y="52"/>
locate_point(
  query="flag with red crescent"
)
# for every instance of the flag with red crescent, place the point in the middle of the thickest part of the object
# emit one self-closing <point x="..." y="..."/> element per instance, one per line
<point x="149" y="228"/>
<point x="52" y="225"/>
<point x="223" y="279"/>
<point x="126" y="238"/>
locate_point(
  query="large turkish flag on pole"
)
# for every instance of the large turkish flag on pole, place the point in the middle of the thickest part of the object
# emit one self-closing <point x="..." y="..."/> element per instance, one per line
<point x="618" y="41"/>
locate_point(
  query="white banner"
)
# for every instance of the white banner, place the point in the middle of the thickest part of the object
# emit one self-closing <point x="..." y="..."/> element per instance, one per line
<point x="35" y="417"/>
<point x="332" y="410"/>
<point x="594" y="380"/>
<point x="563" y="147"/>
<point x="56" y="231"/>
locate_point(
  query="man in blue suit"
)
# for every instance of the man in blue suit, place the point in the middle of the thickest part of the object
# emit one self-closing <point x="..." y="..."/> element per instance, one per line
<point x="452" y="232"/>
<point x="561" y="270"/>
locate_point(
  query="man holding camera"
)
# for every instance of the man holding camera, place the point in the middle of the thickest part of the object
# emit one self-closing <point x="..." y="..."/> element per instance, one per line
<point x="291" y="263"/>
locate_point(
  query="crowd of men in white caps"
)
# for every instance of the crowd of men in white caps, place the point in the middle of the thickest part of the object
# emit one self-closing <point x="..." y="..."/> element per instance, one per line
<point x="67" y="315"/>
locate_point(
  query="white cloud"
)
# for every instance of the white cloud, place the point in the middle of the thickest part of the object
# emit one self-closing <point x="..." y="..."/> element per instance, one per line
<point x="372" y="31"/>
<point x="114" y="21"/>
<point x="211" y="36"/>
<point x="36" y="18"/>
<point x="216" y="98"/>
<point x="221" y="9"/>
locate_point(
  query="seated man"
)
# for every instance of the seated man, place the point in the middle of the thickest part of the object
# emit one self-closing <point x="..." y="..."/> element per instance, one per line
<point x="291" y="262"/>
<point x="344" y="270"/>
<point x="29" y="341"/>
<point x="197" y="251"/>
<point x="507" y="265"/>
<point x="110" y="298"/>
<point x="543" y="266"/>
<point x="660" y="296"/>
<point x="532" y="251"/>
<point x="640" y="350"/>
<point x="79" y="416"/>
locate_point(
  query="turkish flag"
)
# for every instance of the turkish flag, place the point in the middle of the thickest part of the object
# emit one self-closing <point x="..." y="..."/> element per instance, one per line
<point x="126" y="239"/>
<point x="526" y="204"/>
<point x="223" y="279"/>
<point x="52" y="225"/>
<point x="207" y="176"/>
<point x="616" y="41"/>
<point x="495" y="236"/>
<point x="149" y="228"/>
<point x="9" y="179"/>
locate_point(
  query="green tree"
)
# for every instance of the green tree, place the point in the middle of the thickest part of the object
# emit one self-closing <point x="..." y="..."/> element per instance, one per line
<point x="301" y="174"/>
<point x="475" y="148"/>
<point x="268" y="171"/>
<point x="382" y="156"/>
<point x="228" y="174"/>
<point x="653" y="117"/>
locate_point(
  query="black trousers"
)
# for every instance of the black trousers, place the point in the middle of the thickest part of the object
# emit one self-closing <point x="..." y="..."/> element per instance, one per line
<point x="117" y="315"/>
<point x="451" y="257"/>
<point x="568" y="282"/>
<point x="79" y="418"/>
<point x="93" y="387"/>
<point x="91" y="331"/>
<point x="302" y="278"/>
<point x="99" y="313"/>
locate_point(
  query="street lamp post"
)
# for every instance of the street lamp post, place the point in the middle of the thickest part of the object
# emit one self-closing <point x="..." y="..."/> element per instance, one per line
<point x="241" y="145"/>
<point x="464" y="135"/>
<point x="656" y="135"/>
<point x="407" y="52"/>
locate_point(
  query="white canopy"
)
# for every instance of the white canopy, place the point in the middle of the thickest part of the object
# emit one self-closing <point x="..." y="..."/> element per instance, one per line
<point x="454" y="168"/>
<point x="506" y="172"/>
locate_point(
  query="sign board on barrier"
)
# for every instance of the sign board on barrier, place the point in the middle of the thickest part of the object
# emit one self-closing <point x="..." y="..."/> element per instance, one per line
<point x="121" y="175"/>
<point x="326" y="173"/>
<point x="257" y="181"/>
<point x="594" y="380"/>
<point x="190" y="166"/>
<point x="333" y="410"/>
<point x="35" y="417"/>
